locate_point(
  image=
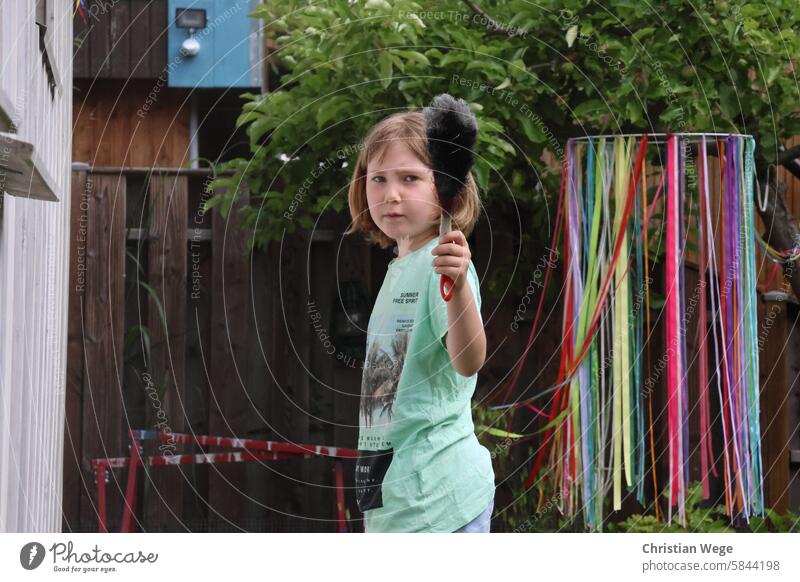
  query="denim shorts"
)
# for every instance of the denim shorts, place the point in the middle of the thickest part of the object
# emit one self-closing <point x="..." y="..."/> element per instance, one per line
<point x="481" y="523"/>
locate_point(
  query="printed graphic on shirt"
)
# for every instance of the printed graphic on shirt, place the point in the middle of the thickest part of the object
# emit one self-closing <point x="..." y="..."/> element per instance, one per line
<point x="371" y="468"/>
<point x="389" y="335"/>
<point x="382" y="370"/>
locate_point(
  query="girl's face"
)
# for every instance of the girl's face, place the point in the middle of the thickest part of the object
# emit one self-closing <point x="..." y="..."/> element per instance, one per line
<point x="401" y="194"/>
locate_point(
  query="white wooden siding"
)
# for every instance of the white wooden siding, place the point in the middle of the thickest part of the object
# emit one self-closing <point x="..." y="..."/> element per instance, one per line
<point x="34" y="251"/>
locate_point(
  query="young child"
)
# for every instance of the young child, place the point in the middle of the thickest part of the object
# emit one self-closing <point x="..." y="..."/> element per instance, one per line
<point x="420" y="466"/>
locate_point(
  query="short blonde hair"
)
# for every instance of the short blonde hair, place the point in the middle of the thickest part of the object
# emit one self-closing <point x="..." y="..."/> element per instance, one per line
<point x="408" y="127"/>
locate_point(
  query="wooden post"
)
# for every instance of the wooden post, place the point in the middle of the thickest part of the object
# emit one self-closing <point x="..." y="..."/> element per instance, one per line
<point x="774" y="381"/>
<point x="167" y="263"/>
<point x="71" y="495"/>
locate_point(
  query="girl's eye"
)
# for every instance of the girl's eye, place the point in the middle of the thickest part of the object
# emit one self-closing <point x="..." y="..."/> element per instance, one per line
<point x="408" y="178"/>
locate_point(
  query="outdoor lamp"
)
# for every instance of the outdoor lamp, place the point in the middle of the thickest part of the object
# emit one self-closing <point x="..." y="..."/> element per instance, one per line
<point x="191" y="19"/>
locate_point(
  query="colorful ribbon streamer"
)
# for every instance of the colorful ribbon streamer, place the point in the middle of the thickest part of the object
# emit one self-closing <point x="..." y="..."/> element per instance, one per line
<point x="601" y="414"/>
<point x="80" y="8"/>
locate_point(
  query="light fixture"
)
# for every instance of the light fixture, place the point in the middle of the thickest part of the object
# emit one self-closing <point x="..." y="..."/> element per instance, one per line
<point x="190" y="47"/>
<point x="191" y="19"/>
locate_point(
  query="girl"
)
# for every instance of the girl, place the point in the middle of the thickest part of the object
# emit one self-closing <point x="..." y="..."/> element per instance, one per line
<point x="420" y="467"/>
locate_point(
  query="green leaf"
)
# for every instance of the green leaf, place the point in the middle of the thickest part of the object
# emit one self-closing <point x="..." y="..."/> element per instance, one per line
<point x="261" y="125"/>
<point x="633" y="112"/>
<point x="378" y="5"/>
<point x="331" y="108"/>
<point x="532" y="131"/>
<point x="152" y="292"/>
<point x="415" y="56"/>
<point x="642" y="32"/>
<point x="592" y="105"/>
<point x="499" y="432"/>
<point x="772" y="74"/>
<point x="452" y="57"/>
<point x="385" y="63"/>
<point x="572" y="34"/>
<point x="488" y="67"/>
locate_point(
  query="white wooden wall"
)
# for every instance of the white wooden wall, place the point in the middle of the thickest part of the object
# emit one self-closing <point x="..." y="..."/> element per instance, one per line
<point x="34" y="251"/>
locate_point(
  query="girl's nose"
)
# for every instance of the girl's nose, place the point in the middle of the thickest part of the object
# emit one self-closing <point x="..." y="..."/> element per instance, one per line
<point x="392" y="194"/>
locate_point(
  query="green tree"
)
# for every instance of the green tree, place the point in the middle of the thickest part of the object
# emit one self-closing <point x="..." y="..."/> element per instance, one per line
<point x="534" y="73"/>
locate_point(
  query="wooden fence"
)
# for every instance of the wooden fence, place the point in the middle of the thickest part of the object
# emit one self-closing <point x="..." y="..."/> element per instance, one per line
<point x="173" y="326"/>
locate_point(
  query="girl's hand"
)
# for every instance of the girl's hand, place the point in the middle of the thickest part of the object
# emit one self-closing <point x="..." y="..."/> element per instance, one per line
<point x="452" y="257"/>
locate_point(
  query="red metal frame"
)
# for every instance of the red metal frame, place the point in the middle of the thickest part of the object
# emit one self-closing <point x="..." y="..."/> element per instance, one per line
<point x="250" y="450"/>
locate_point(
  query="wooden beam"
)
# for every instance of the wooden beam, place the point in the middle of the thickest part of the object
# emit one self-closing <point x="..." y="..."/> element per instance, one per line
<point x="155" y="170"/>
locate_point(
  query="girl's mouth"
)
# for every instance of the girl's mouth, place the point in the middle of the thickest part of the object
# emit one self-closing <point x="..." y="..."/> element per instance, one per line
<point x="394" y="216"/>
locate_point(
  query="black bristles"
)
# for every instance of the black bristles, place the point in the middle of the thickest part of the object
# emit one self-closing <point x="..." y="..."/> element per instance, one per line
<point x="451" y="129"/>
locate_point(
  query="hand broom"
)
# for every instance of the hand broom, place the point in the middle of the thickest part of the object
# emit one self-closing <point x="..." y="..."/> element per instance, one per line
<point x="451" y="130"/>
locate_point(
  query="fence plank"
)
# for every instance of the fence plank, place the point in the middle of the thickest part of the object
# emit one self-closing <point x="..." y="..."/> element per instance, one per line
<point x="287" y="354"/>
<point x="166" y="318"/>
<point x="103" y="335"/>
<point x="158" y="47"/>
<point x="100" y="45"/>
<point x="141" y="40"/>
<point x="120" y="40"/>
<point x="229" y="401"/>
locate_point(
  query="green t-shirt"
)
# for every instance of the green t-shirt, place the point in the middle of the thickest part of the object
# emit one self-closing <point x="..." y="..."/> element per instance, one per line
<point x="420" y="467"/>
